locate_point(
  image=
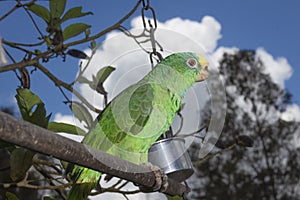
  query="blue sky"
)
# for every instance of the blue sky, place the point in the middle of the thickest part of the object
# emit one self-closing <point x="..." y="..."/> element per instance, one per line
<point x="271" y="24"/>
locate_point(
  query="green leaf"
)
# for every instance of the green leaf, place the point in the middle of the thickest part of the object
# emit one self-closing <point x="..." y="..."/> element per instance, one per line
<point x="103" y="73"/>
<point x="82" y="79"/>
<point x="82" y="113"/>
<point x="57" y="8"/>
<point x="39" y="116"/>
<point x="26" y="101"/>
<point x="66" y="128"/>
<point x="74" y="13"/>
<point x="101" y="76"/>
<point x="74" y="30"/>
<point x="40" y="11"/>
<point x="11" y="196"/>
<point x="32" y="108"/>
<point x="20" y="162"/>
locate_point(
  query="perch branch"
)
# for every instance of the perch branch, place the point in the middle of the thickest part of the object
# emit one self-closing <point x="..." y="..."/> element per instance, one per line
<point x="38" y="139"/>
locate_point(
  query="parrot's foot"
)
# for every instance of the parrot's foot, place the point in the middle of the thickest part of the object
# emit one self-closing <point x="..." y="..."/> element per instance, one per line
<point x="161" y="179"/>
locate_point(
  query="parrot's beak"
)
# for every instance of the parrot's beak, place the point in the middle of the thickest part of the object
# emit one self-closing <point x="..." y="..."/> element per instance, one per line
<point x="203" y="74"/>
<point x="204" y="71"/>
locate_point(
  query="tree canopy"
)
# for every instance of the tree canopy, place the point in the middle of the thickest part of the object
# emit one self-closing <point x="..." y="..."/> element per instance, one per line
<point x="255" y="104"/>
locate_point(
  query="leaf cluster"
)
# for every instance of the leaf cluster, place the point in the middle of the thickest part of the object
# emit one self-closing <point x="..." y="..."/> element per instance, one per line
<point x="56" y="16"/>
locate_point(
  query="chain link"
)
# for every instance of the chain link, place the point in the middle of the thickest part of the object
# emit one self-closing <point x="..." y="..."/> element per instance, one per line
<point x="148" y="33"/>
<point x="151" y="30"/>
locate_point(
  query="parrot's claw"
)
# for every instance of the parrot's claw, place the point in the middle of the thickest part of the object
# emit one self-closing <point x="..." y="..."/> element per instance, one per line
<point x="161" y="179"/>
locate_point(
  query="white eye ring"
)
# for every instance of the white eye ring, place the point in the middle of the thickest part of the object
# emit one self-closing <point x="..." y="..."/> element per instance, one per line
<point x="191" y="62"/>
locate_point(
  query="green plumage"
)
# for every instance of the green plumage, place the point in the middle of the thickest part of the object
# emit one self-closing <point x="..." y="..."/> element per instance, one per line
<point x="139" y="115"/>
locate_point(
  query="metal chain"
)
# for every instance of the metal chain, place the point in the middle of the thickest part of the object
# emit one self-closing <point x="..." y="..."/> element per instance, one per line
<point x="151" y="30"/>
<point x="148" y="33"/>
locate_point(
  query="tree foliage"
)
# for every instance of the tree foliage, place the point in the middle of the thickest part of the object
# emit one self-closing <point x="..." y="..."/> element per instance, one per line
<point x="255" y="104"/>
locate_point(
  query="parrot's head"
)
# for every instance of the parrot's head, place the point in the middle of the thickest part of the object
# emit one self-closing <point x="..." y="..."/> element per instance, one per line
<point x="193" y="66"/>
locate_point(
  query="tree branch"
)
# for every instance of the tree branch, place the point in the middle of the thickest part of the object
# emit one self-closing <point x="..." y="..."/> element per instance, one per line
<point x="35" y="138"/>
<point x="65" y="46"/>
<point x="107" y="30"/>
<point x="18" y="5"/>
<point x="209" y="156"/>
<point x="68" y="87"/>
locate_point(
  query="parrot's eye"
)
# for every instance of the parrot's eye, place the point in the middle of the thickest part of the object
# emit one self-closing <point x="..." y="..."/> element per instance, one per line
<point x="192" y="62"/>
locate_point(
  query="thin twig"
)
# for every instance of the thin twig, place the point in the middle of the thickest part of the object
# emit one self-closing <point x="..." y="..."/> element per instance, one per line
<point x="194" y="133"/>
<point x="13" y="45"/>
<point x="25" y="63"/>
<point x="207" y="157"/>
<point x="33" y="21"/>
<point x="181" y="123"/>
<point x="124" y="195"/>
<point x="68" y="87"/>
<point x="64" y="94"/>
<point x="18" y="5"/>
<point x="9" y="55"/>
<point x="49" y="178"/>
<point x="22" y="44"/>
<point x="85" y="67"/>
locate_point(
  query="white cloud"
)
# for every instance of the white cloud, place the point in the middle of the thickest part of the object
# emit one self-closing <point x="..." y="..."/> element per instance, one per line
<point x="64" y="118"/>
<point x="278" y="68"/>
<point x="292" y="113"/>
<point x="206" y="32"/>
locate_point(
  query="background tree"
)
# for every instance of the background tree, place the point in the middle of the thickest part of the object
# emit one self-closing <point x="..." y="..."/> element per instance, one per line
<point x="255" y="104"/>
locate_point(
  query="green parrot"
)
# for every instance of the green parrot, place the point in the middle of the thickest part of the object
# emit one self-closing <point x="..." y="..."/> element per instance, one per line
<point x="139" y="115"/>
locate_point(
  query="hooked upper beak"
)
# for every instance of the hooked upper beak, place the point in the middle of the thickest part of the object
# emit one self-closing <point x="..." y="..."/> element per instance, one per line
<point x="204" y="74"/>
<point x="204" y="71"/>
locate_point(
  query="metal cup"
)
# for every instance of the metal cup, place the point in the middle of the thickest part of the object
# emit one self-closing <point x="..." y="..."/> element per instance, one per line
<point x="170" y="155"/>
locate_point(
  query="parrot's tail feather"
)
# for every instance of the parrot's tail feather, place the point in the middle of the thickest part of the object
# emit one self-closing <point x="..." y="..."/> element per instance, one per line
<point x="85" y="180"/>
<point x="81" y="191"/>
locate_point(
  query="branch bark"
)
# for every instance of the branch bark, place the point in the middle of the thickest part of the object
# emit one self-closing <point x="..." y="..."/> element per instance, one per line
<point x="38" y="139"/>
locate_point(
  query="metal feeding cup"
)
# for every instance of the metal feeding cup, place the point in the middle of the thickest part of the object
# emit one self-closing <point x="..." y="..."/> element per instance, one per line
<point x="170" y="155"/>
